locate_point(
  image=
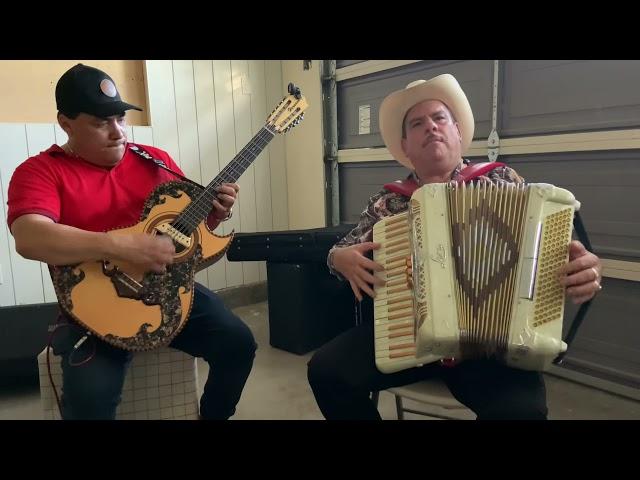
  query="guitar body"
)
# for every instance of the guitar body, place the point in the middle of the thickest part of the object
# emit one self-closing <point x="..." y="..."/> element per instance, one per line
<point x="130" y="308"/>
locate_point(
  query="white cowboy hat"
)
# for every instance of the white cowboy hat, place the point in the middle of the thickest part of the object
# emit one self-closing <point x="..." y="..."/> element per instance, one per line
<point x="393" y="109"/>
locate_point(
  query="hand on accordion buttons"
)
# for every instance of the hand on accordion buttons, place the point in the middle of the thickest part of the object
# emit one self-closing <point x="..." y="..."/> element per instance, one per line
<point x="582" y="275"/>
<point x="357" y="269"/>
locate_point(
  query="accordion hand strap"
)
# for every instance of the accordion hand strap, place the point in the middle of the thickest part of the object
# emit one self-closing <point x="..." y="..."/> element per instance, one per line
<point x="581" y="232"/>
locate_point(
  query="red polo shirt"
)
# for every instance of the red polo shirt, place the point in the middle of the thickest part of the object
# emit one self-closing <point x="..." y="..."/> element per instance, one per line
<point x="74" y="192"/>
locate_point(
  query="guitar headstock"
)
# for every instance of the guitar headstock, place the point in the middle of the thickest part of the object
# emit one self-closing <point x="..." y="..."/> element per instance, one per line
<point x="289" y="112"/>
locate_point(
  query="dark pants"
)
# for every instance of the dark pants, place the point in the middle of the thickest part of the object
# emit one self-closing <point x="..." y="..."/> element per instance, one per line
<point x="93" y="389"/>
<point x="342" y="374"/>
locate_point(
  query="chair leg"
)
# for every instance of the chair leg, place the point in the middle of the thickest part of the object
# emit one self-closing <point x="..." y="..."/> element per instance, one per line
<point x="374" y="398"/>
<point x="399" y="409"/>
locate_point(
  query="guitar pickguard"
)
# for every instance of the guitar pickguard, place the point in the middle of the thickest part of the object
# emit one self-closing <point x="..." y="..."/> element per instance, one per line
<point x="163" y="290"/>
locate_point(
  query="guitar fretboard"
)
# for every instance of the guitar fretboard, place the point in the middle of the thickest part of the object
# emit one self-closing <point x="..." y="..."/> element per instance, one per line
<point x="199" y="208"/>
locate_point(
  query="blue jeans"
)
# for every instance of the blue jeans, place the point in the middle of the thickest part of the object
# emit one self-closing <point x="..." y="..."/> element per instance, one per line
<point x="93" y="389"/>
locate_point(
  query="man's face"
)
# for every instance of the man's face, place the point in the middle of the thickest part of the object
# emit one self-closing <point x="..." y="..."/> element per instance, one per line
<point x="100" y="141"/>
<point x="433" y="141"/>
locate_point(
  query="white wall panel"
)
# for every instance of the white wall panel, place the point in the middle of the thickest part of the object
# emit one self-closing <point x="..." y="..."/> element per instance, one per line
<point x="208" y="146"/>
<point x="264" y="219"/>
<point x="40" y="136"/>
<point x="143" y="135"/>
<point x="242" y="117"/>
<point x="162" y="106"/>
<point x="277" y="156"/>
<point x="227" y="149"/>
<point x="7" y="294"/>
<point x="27" y="275"/>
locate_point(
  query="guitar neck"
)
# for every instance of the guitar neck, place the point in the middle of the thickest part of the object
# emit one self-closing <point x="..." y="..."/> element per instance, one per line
<point x="199" y="209"/>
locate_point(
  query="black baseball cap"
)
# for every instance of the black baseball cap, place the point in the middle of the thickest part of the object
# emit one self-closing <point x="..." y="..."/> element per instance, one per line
<point x="84" y="89"/>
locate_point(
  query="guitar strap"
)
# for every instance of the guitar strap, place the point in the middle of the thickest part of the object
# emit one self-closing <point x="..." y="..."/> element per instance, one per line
<point x="144" y="154"/>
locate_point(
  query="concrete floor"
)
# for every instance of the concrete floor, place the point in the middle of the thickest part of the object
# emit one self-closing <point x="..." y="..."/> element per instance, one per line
<point x="277" y="389"/>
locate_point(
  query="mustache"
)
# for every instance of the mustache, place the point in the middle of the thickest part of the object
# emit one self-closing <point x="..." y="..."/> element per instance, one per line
<point x="431" y="139"/>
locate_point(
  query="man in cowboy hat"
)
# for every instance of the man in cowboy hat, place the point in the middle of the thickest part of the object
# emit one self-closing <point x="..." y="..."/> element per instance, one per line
<point x="427" y="127"/>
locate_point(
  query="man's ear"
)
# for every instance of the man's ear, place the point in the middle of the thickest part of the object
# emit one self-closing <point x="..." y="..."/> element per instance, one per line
<point x="403" y="144"/>
<point x="65" y="123"/>
<point x="458" y="129"/>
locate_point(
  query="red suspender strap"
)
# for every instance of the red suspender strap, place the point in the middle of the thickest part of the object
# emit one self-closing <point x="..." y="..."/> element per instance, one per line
<point x="407" y="186"/>
<point x="476" y="170"/>
<point x="404" y="187"/>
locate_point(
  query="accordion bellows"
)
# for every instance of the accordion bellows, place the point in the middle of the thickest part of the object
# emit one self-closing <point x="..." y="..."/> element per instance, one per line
<point x="472" y="272"/>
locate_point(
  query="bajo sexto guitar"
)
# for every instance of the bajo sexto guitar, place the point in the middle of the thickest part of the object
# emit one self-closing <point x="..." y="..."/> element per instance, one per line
<point x="137" y="310"/>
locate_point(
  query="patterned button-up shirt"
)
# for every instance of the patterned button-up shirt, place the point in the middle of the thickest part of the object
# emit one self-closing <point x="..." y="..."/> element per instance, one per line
<point x="386" y="203"/>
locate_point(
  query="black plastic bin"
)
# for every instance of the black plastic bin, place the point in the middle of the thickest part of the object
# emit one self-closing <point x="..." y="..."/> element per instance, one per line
<point x="24" y="332"/>
<point x="307" y="305"/>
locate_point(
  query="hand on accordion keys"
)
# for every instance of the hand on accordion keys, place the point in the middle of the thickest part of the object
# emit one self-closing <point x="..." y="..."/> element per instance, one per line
<point x="582" y="274"/>
<point x="353" y="265"/>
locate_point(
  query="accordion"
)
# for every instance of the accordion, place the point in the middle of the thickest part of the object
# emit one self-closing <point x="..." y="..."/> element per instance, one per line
<point x="471" y="272"/>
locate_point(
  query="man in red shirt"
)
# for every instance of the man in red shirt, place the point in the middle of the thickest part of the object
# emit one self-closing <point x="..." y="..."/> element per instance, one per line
<point x="63" y="201"/>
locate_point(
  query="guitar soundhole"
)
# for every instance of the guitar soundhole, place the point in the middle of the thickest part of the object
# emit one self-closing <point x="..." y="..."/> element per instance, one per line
<point x="179" y="247"/>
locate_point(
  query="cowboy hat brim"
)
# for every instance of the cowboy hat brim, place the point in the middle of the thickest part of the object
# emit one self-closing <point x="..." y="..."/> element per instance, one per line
<point x="394" y="107"/>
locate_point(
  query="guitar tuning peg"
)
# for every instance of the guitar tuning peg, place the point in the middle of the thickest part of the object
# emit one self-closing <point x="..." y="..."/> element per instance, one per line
<point x="293" y="90"/>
